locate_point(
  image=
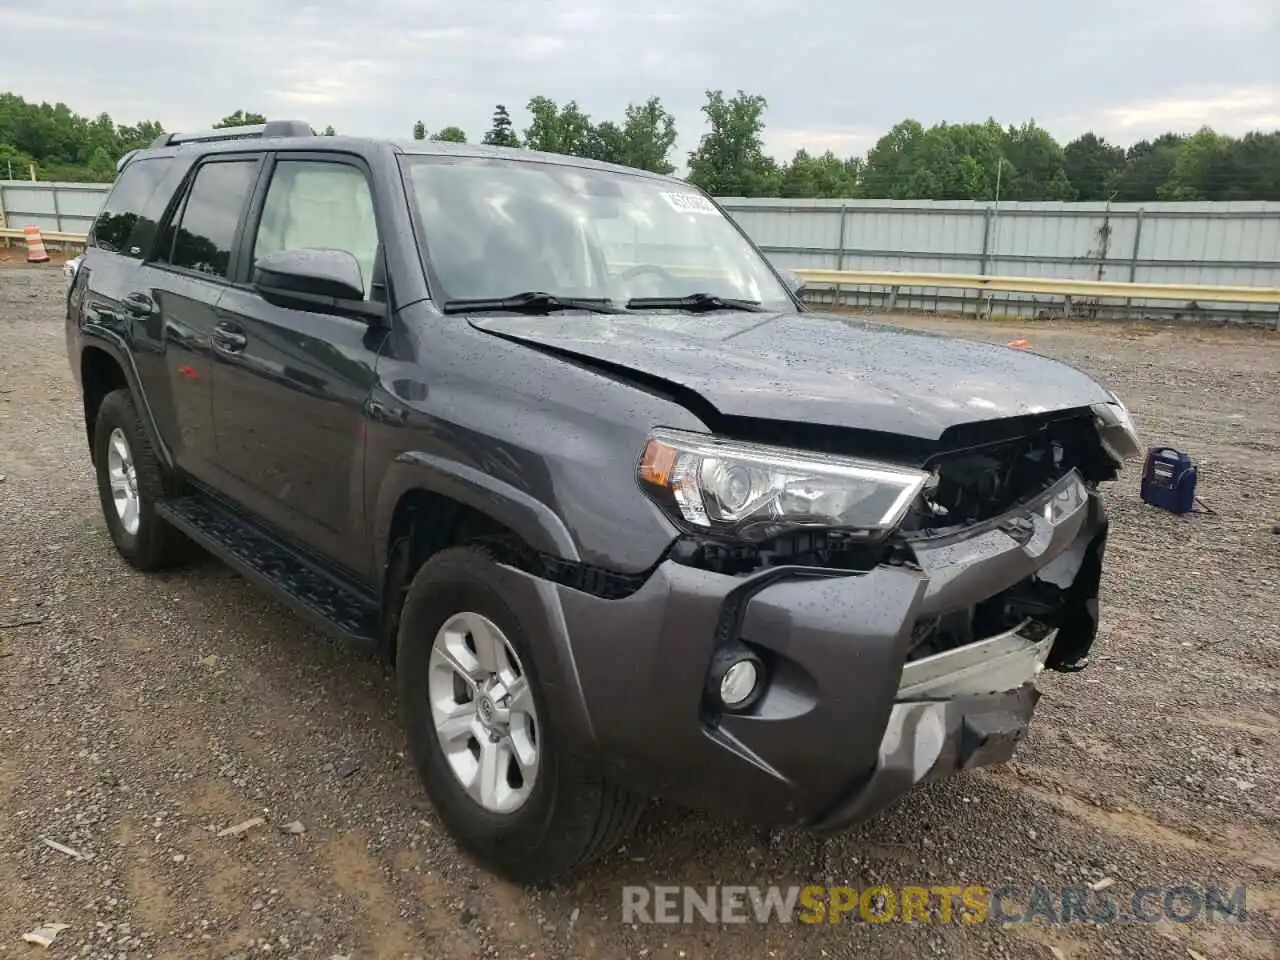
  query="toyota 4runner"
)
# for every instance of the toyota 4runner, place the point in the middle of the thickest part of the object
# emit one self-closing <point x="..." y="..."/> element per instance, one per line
<point x="556" y="440"/>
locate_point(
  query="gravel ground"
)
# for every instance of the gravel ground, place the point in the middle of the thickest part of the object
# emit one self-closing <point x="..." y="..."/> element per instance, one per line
<point x="141" y="715"/>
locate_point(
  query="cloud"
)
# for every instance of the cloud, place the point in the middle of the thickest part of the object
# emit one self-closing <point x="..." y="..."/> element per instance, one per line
<point x="1234" y="112"/>
<point x="836" y="76"/>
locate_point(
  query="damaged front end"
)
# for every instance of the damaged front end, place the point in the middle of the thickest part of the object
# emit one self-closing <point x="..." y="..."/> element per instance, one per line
<point x="1022" y="521"/>
<point x="1007" y="527"/>
<point x="1011" y="540"/>
<point x="1007" y="534"/>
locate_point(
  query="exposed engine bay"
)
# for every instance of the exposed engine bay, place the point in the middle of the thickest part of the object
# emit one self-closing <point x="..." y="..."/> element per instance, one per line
<point x="974" y="485"/>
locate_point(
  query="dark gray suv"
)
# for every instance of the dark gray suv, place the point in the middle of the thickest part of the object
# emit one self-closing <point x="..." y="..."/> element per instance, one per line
<point x="554" y="439"/>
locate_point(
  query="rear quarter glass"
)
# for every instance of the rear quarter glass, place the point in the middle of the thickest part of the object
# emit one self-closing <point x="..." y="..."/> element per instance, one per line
<point x="127" y="222"/>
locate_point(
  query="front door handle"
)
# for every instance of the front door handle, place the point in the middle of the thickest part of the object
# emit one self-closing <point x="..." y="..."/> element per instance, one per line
<point x="227" y="338"/>
<point x="139" y="304"/>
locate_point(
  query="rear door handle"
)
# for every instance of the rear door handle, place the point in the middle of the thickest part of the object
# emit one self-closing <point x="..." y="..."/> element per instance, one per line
<point x="227" y="338"/>
<point x="139" y="304"/>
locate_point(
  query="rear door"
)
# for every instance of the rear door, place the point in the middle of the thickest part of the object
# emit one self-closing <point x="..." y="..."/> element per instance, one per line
<point x="177" y="290"/>
<point x="291" y="384"/>
<point x="121" y="237"/>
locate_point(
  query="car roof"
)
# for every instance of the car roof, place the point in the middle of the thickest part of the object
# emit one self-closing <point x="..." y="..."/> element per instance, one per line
<point x="361" y="145"/>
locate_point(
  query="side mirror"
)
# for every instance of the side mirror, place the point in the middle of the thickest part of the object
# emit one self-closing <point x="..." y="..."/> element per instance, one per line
<point x="328" y="281"/>
<point x="794" y="283"/>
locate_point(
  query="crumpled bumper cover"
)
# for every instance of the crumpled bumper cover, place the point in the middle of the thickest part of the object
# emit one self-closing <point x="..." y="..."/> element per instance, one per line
<point x="845" y="723"/>
<point x="929" y="739"/>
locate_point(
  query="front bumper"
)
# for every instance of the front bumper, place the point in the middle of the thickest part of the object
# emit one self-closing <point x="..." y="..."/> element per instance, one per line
<point x="930" y="739"/>
<point x="845" y="724"/>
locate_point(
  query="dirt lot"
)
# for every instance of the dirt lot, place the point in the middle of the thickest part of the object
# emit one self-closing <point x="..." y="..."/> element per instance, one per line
<point x="139" y="715"/>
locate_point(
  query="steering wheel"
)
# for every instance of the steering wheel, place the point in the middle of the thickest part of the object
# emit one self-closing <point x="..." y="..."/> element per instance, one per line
<point x="645" y="268"/>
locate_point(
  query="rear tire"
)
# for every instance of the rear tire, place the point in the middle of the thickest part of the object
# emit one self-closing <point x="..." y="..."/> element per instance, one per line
<point x="530" y="832"/>
<point x="131" y="481"/>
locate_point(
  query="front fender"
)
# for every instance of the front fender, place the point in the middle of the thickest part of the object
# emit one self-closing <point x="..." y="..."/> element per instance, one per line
<point x="529" y="518"/>
<point x="536" y="600"/>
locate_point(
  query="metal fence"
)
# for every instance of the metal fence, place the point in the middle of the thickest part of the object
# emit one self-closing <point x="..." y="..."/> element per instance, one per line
<point x="1229" y="244"/>
<point x="53" y="207"/>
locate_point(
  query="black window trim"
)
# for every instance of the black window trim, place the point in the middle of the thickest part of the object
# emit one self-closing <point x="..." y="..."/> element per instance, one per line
<point x="91" y="239"/>
<point x="179" y="208"/>
<point x="248" y="236"/>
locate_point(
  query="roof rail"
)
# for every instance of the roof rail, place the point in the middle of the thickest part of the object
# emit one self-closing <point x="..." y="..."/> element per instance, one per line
<point x="123" y="161"/>
<point x="272" y="128"/>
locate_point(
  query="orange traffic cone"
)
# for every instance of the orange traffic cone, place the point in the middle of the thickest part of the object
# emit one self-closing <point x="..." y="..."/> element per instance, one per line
<point x="36" y="253"/>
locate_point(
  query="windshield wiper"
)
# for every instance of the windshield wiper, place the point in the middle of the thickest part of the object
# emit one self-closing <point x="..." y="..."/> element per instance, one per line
<point x="531" y="301"/>
<point x="695" y="302"/>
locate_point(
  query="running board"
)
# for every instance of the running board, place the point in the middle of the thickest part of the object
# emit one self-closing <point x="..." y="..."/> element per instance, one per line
<point x="327" y="600"/>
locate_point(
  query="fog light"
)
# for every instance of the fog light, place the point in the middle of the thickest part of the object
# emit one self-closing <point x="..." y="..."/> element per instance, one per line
<point x="739" y="683"/>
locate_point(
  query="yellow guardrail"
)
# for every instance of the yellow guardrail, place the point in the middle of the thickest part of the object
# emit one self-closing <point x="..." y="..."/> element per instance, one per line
<point x="1191" y="292"/>
<point x="49" y="236"/>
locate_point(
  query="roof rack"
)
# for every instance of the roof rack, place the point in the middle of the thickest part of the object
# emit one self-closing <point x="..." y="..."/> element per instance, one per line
<point x="272" y="128"/>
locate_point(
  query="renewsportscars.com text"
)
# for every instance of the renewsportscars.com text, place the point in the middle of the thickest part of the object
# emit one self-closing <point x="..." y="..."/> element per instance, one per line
<point x="971" y="904"/>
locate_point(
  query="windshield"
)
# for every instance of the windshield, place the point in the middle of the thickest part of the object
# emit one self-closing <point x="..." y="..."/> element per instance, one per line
<point x="497" y="227"/>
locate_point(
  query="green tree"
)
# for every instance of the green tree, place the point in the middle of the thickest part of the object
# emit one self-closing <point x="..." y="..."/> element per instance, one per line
<point x="1091" y="164"/>
<point x="102" y="165"/>
<point x="555" y="129"/>
<point x="240" y="118"/>
<point x="14" y="164"/>
<point x="606" y="142"/>
<point x="890" y="163"/>
<point x="329" y="131"/>
<point x="1148" y="164"/>
<point x="730" y="159"/>
<point x="1253" y="168"/>
<point x="1039" y="165"/>
<point x="1200" y="169"/>
<point x="501" y="133"/>
<point x="945" y="162"/>
<point x="648" y="133"/>
<point x="644" y="140"/>
<point x="62" y="144"/>
<point x="141" y="135"/>
<point x="419" y="130"/>
<point x="823" y="176"/>
<point x="450" y="135"/>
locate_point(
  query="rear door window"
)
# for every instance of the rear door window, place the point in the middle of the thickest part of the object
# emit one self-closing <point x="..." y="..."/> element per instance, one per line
<point x="204" y="231"/>
<point x="127" y="223"/>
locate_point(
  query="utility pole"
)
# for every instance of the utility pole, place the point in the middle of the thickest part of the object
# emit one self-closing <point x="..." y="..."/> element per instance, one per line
<point x="995" y="228"/>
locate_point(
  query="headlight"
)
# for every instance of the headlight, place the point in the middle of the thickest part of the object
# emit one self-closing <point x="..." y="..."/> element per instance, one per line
<point x="753" y="492"/>
<point x="1115" y="427"/>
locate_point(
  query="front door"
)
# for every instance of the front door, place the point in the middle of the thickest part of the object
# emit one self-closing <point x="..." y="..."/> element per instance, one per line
<point x="290" y="385"/>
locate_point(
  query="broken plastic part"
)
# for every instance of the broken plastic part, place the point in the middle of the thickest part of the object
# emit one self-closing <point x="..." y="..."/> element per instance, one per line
<point x="994" y="665"/>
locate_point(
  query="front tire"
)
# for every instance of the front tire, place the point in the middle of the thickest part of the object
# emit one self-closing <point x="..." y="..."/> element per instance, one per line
<point x="131" y="482"/>
<point x="481" y="732"/>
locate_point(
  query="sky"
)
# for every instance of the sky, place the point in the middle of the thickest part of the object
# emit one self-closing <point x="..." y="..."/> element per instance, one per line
<point x="837" y="74"/>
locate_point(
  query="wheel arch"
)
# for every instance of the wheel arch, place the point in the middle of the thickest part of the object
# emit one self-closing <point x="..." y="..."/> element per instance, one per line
<point x="426" y="504"/>
<point x="105" y="365"/>
<point x="100" y="374"/>
<point x="432" y="510"/>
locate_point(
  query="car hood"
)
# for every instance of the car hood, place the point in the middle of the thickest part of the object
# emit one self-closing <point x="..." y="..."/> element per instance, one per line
<point x="815" y="368"/>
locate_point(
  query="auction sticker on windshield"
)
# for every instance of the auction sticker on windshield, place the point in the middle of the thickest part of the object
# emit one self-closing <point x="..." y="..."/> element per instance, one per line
<point x="690" y="203"/>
